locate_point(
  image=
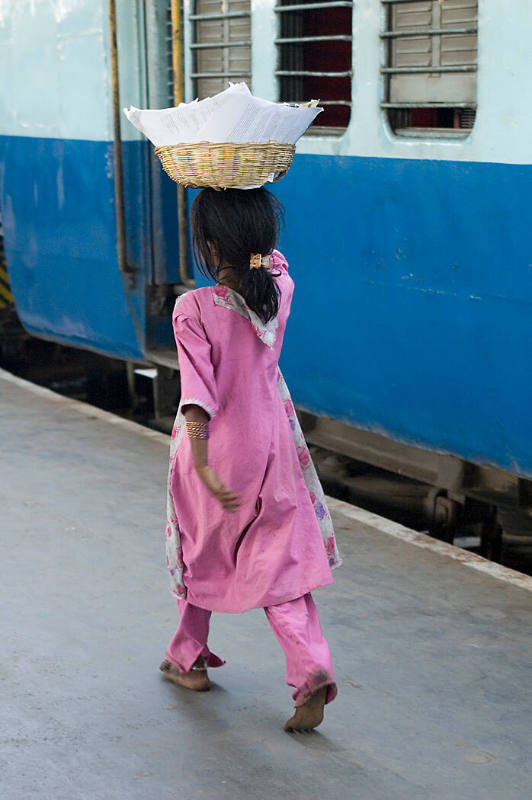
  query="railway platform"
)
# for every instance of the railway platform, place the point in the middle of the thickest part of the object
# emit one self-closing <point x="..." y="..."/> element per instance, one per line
<point x="432" y="646"/>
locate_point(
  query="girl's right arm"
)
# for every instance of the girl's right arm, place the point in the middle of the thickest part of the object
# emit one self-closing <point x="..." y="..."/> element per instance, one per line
<point x="199" y="402"/>
<point x="228" y="499"/>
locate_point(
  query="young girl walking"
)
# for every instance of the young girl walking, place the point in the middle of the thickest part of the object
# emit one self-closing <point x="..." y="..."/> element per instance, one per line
<point x="248" y="526"/>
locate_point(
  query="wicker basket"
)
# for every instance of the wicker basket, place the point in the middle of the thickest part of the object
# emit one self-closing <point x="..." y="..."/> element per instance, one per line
<point x="226" y="165"/>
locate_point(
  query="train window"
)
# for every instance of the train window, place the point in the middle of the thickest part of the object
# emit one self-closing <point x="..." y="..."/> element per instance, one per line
<point x="221" y="44"/>
<point x="431" y="66"/>
<point x="314" y="58"/>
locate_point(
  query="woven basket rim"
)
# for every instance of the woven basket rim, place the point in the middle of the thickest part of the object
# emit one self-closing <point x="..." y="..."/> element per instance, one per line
<point x="235" y="145"/>
<point x="224" y="165"/>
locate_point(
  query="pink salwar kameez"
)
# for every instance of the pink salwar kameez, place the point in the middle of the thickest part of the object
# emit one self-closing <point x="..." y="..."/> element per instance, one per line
<point x="279" y="545"/>
<point x="296" y="625"/>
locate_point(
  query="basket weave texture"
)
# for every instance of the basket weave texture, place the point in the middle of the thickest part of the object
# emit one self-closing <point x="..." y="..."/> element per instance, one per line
<point x="225" y="165"/>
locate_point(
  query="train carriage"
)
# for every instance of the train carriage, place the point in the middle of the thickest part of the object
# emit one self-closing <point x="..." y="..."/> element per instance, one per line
<point x="408" y="208"/>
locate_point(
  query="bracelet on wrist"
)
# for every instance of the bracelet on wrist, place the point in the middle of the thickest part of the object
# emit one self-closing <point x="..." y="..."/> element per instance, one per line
<point x="198" y="430"/>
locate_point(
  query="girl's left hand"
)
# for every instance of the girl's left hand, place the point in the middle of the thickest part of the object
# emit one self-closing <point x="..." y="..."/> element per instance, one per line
<point x="228" y="499"/>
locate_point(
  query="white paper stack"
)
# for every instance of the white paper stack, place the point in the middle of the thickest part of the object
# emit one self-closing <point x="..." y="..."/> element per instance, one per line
<point x="233" y="115"/>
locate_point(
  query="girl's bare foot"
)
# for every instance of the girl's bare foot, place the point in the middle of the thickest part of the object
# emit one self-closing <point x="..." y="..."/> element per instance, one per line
<point x="195" y="679"/>
<point x="309" y="715"/>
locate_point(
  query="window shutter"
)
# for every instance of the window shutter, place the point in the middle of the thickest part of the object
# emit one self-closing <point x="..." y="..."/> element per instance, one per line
<point x="432" y="54"/>
<point x="221" y="44"/>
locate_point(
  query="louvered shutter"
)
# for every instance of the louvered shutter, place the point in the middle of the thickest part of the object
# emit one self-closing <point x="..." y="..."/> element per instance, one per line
<point x="221" y="44"/>
<point x="453" y="55"/>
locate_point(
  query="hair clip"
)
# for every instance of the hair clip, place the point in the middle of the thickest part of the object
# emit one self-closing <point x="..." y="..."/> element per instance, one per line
<point x="256" y="260"/>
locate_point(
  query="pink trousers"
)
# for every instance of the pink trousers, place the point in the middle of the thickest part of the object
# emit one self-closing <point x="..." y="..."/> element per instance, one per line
<point x="297" y="627"/>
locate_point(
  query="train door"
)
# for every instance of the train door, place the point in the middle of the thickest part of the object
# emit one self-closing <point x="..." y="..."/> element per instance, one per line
<point x="159" y="85"/>
<point x="154" y="42"/>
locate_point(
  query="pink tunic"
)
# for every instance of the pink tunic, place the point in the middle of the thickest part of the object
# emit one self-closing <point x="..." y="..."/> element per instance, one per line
<point x="272" y="549"/>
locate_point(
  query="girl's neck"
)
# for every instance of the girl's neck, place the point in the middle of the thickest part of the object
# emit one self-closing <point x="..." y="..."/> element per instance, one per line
<point x="227" y="277"/>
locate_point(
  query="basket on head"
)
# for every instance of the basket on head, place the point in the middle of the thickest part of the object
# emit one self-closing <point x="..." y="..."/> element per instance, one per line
<point x="225" y="165"/>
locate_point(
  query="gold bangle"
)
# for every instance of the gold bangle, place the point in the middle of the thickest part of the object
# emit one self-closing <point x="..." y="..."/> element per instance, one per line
<point x="198" y="430"/>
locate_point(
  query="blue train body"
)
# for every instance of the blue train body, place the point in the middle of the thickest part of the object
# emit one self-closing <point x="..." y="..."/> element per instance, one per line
<point x="412" y="259"/>
<point x="409" y="319"/>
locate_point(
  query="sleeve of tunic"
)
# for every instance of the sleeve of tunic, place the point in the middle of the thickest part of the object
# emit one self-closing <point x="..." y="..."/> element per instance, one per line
<point x="198" y="386"/>
<point x="279" y="261"/>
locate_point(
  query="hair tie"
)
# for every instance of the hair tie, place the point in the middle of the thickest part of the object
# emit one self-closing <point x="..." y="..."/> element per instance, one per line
<point x="256" y="261"/>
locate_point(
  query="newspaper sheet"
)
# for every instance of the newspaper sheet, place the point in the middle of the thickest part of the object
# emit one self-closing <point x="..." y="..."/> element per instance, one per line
<point x="233" y="115"/>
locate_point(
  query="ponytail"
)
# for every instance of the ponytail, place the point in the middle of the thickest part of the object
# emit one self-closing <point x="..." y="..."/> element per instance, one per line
<point x="227" y="228"/>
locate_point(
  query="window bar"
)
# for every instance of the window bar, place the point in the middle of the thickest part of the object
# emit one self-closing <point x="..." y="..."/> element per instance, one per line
<point x="435" y="104"/>
<point x="220" y="75"/>
<point x="335" y="103"/>
<point x="397" y="2"/>
<point x="289" y="72"/>
<point x="428" y="32"/>
<point x="314" y="6"/>
<point x="217" y="45"/>
<point x="321" y="102"/>
<point x="296" y="39"/>
<point x="228" y="15"/>
<point x="421" y="70"/>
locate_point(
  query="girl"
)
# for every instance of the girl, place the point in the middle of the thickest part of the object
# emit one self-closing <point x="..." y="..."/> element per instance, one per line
<point x="247" y="519"/>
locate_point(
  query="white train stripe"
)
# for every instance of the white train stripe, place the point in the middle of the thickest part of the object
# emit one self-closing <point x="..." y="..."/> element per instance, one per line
<point x="57" y="56"/>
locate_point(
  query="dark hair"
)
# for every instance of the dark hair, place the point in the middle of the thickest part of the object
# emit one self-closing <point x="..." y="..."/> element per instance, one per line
<point x="239" y="222"/>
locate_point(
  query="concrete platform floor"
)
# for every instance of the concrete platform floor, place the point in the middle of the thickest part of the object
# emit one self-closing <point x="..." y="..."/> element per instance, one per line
<point x="433" y="659"/>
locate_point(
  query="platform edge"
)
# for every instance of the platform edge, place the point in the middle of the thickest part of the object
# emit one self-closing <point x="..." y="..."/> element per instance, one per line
<point x="84" y="408"/>
<point x="381" y="524"/>
<point x="423" y="540"/>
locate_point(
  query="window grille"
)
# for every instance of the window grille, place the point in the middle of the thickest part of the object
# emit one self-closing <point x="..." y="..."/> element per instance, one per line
<point x="221" y="44"/>
<point x="431" y="65"/>
<point x="314" y="57"/>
